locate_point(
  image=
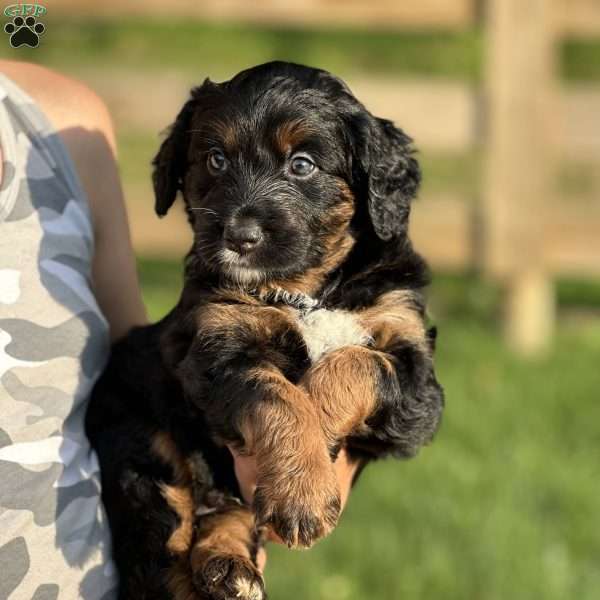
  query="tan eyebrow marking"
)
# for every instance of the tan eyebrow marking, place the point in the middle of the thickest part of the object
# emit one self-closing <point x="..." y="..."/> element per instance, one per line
<point x="227" y="133"/>
<point x="290" y="134"/>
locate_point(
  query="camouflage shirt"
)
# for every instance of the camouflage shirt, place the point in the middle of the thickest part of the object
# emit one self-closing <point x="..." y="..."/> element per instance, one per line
<point x="54" y="539"/>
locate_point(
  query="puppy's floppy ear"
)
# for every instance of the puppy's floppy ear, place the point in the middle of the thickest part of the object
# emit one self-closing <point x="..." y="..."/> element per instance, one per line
<point x="394" y="178"/>
<point x="170" y="164"/>
<point x="171" y="161"/>
<point x="391" y="175"/>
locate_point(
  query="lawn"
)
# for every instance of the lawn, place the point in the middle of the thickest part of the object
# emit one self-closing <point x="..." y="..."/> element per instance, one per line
<point x="503" y="505"/>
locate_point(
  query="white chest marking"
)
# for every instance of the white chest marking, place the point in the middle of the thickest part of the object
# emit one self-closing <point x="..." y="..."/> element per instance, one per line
<point x="327" y="330"/>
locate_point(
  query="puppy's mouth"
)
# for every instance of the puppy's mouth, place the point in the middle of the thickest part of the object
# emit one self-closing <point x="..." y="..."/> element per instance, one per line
<point x="238" y="266"/>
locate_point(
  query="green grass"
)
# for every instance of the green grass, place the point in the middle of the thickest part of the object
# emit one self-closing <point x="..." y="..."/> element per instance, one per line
<point x="504" y="504"/>
<point x="579" y="293"/>
<point x="580" y="59"/>
<point x="136" y="151"/>
<point x="223" y="49"/>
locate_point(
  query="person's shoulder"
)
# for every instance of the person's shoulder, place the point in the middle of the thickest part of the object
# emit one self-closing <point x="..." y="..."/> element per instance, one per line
<point x="65" y="100"/>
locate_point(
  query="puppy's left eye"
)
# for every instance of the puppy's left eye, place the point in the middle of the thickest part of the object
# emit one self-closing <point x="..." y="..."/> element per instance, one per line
<point x="302" y="166"/>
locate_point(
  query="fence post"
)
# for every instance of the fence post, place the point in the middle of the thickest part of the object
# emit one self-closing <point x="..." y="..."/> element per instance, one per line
<point x="520" y="143"/>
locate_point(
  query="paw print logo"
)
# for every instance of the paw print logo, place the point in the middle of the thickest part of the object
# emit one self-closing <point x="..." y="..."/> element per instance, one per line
<point x="24" y="32"/>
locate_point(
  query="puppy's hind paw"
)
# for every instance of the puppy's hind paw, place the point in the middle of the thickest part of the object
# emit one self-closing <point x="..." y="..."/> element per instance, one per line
<point x="227" y="577"/>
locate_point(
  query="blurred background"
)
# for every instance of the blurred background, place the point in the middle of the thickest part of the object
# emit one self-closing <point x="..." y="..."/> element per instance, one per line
<point x="503" y="100"/>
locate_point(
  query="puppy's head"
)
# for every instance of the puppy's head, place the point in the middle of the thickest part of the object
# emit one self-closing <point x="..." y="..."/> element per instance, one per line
<point x="281" y="170"/>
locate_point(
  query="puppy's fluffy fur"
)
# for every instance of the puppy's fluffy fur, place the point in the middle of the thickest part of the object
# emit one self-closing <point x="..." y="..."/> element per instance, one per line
<point x="300" y="329"/>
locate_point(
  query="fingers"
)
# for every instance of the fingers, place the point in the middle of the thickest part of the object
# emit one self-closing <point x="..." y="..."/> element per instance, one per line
<point x="261" y="559"/>
<point x="345" y="470"/>
<point x="245" y="472"/>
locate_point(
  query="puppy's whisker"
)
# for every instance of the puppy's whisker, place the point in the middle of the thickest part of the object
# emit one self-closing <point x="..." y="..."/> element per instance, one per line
<point x="206" y="249"/>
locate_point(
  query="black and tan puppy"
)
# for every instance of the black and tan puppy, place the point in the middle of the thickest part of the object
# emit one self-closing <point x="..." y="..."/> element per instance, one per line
<point x="300" y="329"/>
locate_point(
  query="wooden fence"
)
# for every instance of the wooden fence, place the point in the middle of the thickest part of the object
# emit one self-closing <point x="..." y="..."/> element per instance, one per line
<point x="521" y="120"/>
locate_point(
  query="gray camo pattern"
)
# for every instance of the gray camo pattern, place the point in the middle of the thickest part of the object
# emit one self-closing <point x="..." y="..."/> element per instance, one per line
<point x="54" y="539"/>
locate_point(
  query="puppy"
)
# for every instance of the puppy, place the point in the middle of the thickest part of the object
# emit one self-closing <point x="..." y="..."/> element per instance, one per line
<point x="300" y="329"/>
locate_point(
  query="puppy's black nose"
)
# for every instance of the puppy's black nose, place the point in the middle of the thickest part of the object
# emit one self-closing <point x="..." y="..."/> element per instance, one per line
<point x="242" y="234"/>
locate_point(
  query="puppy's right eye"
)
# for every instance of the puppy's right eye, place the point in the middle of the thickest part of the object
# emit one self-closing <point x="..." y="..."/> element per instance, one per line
<point x="216" y="162"/>
<point x="302" y="165"/>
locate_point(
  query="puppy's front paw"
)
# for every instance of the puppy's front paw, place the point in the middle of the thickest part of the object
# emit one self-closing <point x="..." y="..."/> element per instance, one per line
<point x="229" y="577"/>
<point x="300" y="508"/>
